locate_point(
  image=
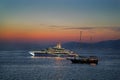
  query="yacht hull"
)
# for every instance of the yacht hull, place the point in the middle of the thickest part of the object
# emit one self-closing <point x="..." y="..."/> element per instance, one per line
<point x="38" y="54"/>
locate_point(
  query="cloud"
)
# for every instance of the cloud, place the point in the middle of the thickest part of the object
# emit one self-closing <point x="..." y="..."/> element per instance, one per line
<point x="58" y="26"/>
<point x="113" y="28"/>
<point x="63" y="27"/>
<point x="71" y="28"/>
<point x="81" y="28"/>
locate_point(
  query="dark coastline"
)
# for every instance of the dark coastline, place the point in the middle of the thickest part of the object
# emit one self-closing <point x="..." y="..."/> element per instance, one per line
<point x="108" y="45"/>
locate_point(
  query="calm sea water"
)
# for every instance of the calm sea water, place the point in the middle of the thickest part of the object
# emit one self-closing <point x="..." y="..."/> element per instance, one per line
<point x="19" y="65"/>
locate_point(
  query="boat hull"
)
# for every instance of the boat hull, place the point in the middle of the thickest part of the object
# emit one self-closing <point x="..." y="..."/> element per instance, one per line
<point x="85" y="60"/>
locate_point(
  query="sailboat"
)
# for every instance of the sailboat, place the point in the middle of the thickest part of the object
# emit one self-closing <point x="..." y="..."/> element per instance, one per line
<point x="84" y="59"/>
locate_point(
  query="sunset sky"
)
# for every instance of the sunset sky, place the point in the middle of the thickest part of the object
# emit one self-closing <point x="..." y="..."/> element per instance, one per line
<point x="59" y="20"/>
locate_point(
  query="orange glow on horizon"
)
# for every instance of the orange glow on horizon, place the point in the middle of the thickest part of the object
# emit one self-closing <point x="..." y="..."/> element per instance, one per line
<point x="38" y="35"/>
<point x="45" y="34"/>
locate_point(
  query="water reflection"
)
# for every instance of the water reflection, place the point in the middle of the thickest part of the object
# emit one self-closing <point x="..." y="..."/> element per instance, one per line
<point x="93" y="64"/>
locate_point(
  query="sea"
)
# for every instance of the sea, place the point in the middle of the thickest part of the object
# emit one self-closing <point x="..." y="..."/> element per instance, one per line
<point x="20" y="65"/>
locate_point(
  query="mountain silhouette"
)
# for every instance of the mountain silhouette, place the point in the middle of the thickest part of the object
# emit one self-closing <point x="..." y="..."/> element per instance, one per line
<point x="109" y="44"/>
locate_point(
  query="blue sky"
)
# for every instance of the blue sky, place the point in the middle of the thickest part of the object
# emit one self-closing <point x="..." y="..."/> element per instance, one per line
<point x="90" y="12"/>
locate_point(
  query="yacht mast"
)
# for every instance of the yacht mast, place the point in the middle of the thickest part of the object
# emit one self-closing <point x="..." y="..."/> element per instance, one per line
<point x="80" y="39"/>
<point x="80" y="35"/>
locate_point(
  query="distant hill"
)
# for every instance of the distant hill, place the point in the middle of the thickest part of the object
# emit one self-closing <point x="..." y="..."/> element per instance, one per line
<point x="110" y="44"/>
<point x="21" y="46"/>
